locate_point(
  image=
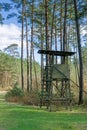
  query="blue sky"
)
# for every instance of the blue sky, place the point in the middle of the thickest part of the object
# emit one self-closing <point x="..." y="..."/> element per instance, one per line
<point x="10" y="32"/>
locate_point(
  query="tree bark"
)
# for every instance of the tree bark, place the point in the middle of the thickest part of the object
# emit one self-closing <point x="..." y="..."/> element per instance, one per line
<point x="54" y="5"/>
<point x="64" y="31"/>
<point x="61" y="32"/>
<point x="31" y="49"/>
<point x="80" y="55"/>
<point x="47" y="41"/>
<point x="22" y="38"/>
<point x="27" y="47"/>
<point x="35" y="72"/>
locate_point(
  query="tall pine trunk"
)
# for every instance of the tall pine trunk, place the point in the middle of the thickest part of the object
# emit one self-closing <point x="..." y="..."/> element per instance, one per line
<point x="27" y="47"/>
<point x="52" y="26"/>
<point x="22" y="38"/>
<point x="42" y="47"/>
<point x="47" y="40"/>
<point x="61" y="30"/>
<point x="31" y="49"/>
<point x="80" y="55"/>
<point x="65" y="31"/>
<point x="35" y="72"/>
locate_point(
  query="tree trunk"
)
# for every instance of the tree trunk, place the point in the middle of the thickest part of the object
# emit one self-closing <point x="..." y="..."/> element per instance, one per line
<point x="22" y="37"/>
<point x="27" y="48"/>
<point x="54" y="5"/>
<point x="80" y="55"/>
<point x="31" y="49"/>
<point x="64" y="31"/>
<point x="35" y="72"/>
<point x="61" y="32"/>
<point x="47" y="41"/>
<point x="42" y="58"/>
<point x="56" y="44"/>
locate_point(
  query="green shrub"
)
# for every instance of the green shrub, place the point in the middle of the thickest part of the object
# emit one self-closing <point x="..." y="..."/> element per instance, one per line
<point x="18" y="96"/>
<point x="14" y="92"/>
<point x="17" y="92"/>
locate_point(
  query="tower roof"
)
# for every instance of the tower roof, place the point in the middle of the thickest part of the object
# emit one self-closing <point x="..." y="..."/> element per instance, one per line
<point x="56" y="53"/>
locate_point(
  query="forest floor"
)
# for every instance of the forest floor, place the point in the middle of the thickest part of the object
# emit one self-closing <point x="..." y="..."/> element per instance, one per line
<point x="19" y="117"/>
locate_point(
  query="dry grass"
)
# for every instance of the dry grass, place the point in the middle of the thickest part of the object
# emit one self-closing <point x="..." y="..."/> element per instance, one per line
<point x="27" y="99"/>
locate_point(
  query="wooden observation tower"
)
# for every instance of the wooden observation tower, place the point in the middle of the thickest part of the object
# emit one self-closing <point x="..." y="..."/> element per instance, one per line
<point x="55" y="79"/>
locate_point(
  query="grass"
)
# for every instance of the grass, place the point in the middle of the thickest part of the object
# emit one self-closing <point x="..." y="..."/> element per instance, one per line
<point x="18" y="117"/>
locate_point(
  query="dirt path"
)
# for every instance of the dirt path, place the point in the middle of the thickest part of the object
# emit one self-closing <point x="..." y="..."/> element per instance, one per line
<point x="3" y="92"/>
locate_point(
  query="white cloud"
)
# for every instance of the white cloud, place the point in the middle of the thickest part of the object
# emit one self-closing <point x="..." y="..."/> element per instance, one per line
<point x="9" y="34"/>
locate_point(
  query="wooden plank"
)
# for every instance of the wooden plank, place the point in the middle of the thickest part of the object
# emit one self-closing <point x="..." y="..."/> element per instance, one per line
<point x="61" y="71"/>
